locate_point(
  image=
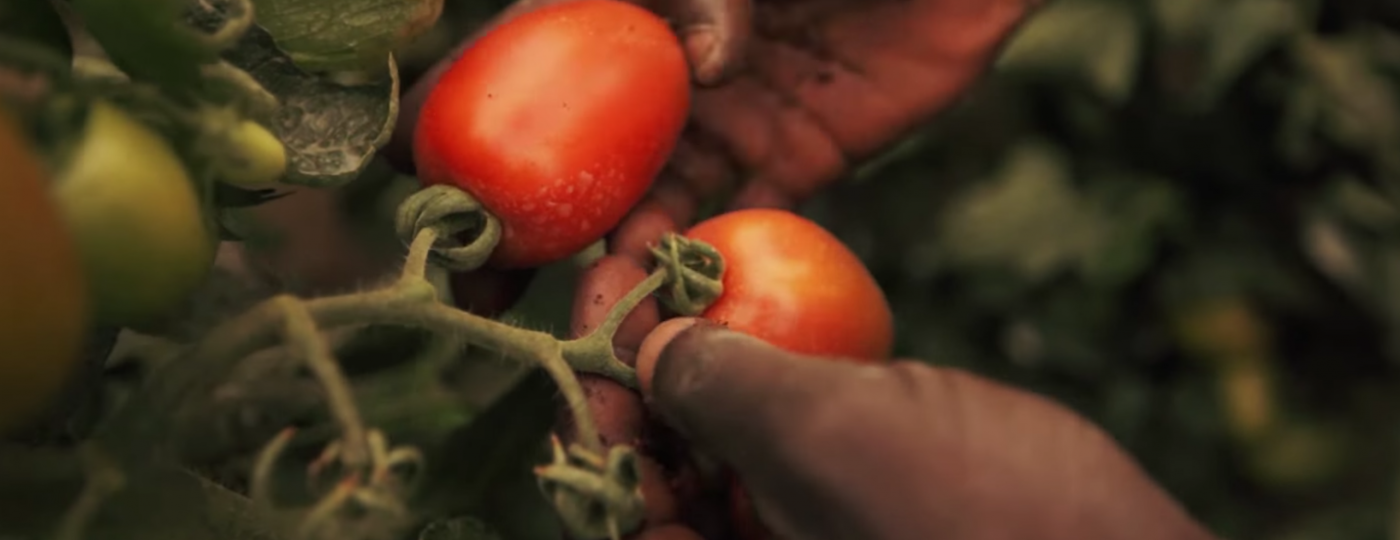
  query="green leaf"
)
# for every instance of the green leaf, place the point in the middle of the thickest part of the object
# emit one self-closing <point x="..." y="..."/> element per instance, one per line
<point x="503" y="440"/>
<point x="148" y="39"/>
<point x="1238" y="36"/>
<point x="1098" y="42"/>
<point x="35" y="22"/>
<point x="331" y="130"/>
<point x="345" y="35"/>
<point x="1029" y="217"/>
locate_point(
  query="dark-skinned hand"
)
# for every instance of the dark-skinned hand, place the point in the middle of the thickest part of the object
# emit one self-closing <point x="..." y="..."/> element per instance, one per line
<point x="790" y="93"/>
<point x="839" y="450"/>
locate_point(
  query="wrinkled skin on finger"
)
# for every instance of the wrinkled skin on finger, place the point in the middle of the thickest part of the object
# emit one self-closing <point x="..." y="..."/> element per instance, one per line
<point x="834" y="450"/>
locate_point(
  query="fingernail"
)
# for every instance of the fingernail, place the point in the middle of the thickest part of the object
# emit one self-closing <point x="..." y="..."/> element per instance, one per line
<point x="655" y="342"/>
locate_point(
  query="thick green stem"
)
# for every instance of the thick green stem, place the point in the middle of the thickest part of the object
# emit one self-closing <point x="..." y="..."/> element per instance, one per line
<point x="537" y="348"/>
<point x="301" y="334"/>
<point x="594" y="353"/>
<point x="131" y="435"/>
<point x="408" y="303"/>
<point x="418" y="252"/>
<point x="451" y="211"/>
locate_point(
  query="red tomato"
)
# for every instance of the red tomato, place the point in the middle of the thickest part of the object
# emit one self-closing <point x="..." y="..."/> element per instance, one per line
<point x="557" y="121"/>
<point x="793" y="284"/>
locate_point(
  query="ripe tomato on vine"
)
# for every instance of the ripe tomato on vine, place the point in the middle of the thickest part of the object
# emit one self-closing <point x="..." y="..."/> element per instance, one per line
<point x="793" y="284"/>
<point x="557" y="122"/>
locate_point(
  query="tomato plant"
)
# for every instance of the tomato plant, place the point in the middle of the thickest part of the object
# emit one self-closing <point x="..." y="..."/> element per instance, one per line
<point x="557" y="122"/>
<point x="43" y="300"/>
<point x="136" y="215"/>
<point x="793" y="284"/>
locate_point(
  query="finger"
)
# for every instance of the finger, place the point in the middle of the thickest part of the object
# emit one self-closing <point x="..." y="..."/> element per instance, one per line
<point x="761" y="194"/>
<point x="833" y="450"/>
<point x="617" y="411"/>
<point x="650" y="351"/>
<point x="642" y="229"/>
<point x="600" y="286"/>
<point x="670" y="193"/>
<point x="715" y="34"/>
<point x="489" y="292"/>
<point x="701" y="163"/>
<point x="661" y="506"/>
<point x="728" y="391"/>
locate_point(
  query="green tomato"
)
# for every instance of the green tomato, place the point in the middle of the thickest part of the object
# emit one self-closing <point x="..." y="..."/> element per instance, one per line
<point x="252" y="157"/>
<point x="137" y="218"/>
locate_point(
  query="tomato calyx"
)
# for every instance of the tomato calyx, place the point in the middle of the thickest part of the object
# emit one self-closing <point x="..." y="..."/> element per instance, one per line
<point x="689" y="270"/>
<point x="596" y="495"/>
<point x="467" y="233"/>
<point x="697" y="271"/>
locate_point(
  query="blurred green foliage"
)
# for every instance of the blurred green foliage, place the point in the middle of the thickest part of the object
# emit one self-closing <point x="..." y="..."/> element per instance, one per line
<point x="1178" y="217"/>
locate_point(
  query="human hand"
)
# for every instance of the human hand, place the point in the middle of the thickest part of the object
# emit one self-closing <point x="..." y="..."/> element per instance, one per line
<point x="843" y="450"/>
<point x="793" y="91"/>
<point x="790" y="94"/>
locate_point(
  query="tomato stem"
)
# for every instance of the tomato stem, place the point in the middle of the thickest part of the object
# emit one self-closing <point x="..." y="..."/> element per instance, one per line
<point x="418" y="252"/>
<point x="577" y="480"/>
<point x="302" y="335"/>
<point x="260" y="480"/>
<point x="696" y="270"/>
<point x="451" y="212"/>
<point x="594" y="353"/>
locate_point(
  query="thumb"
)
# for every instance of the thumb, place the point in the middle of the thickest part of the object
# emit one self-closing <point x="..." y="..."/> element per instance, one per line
<point x="841" y="450"/>
<point x="714" y="33"/>
<point x="729" y="390"/>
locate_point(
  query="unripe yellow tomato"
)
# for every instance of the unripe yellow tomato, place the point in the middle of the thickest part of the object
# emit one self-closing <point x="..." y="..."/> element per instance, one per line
<point x="137" y="218"/>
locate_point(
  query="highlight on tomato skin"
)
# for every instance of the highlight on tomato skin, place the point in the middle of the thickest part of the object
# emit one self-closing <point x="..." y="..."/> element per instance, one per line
<point x="557" y="121"/>
<point x="793" y="284"/>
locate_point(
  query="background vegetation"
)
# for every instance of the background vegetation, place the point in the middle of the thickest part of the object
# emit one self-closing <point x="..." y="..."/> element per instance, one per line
<point x="1180" y="217"/>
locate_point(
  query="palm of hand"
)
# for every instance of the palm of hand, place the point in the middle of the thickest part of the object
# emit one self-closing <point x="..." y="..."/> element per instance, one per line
<point x="820" y="84"/>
